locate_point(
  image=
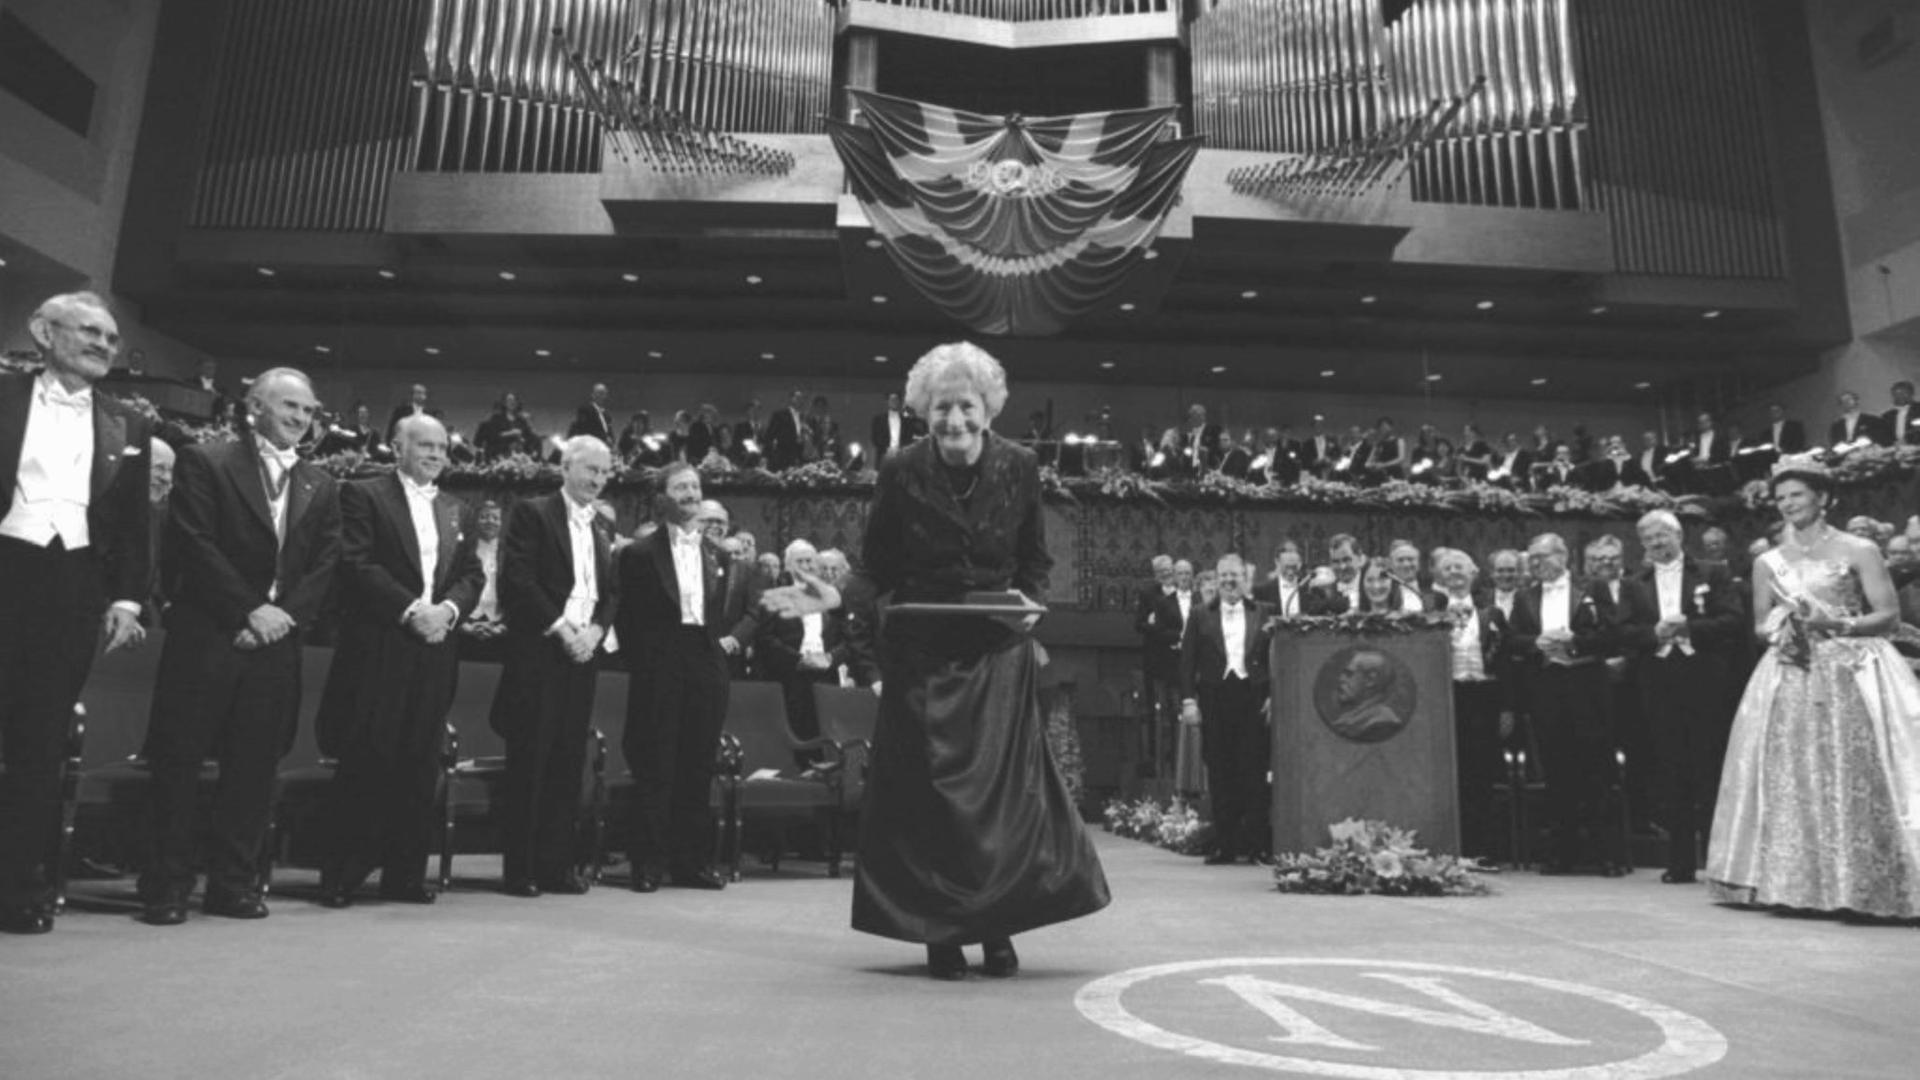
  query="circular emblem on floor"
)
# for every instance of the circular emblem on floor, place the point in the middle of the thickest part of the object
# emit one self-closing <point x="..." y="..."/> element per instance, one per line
<point x="1398" y="1020"/>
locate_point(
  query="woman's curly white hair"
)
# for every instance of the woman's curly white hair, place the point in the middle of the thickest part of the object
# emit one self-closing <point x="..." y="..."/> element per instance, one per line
<point x="957" y="363"/>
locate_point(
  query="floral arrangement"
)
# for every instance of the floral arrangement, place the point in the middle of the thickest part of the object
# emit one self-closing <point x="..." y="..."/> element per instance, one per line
<point x="1063" y="741"/>
<point x="1364" y="622"/>
<point x="1374" y="857"/>
<point x="1176" y="825"/>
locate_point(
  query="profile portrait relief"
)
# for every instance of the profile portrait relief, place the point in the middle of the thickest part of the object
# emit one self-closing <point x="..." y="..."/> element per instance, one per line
<point x="1364" y="694"/>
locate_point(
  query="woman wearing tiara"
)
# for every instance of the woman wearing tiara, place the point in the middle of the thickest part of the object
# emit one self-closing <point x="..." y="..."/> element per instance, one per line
<point x="1820" y="797"/>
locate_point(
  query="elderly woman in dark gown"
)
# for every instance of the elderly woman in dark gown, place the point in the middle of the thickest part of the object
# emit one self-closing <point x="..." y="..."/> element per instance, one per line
<point x="968" y="835"/>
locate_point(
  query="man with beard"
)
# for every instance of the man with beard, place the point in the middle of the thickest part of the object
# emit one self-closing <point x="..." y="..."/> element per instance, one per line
<point x="559" y="594"/>
<point x="1680" y="616"/>
<point x="74" y="569"/>
<point x="677" y="593"/>
<point x="405" y="582"/>
<point x="254" y="541"/>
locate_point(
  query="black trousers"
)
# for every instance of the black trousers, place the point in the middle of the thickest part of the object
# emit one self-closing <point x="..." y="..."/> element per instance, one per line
<point x="1684" y="698"/>
<point x="675" y="708"/>
<point x="546" y="738"/>
<point x="237" y="707"/>
<point x="1160" y="687"/>
<point x="1572" y="724"/>
<point x="381" y="805"/>
<point x="1478" y="763"/>
<point x="54" y="601"/>
<point x="1234" y="743"/>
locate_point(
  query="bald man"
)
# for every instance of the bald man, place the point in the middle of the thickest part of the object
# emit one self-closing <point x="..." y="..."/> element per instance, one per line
<point x="406" y="582"/>
<point x="253" y="540"/>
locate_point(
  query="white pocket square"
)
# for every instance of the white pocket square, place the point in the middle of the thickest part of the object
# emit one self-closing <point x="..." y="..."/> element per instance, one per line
<point x="132" y="451"/>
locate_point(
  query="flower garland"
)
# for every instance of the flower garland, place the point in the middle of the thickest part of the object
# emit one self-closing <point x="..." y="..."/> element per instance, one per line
<point x="1374" y="857"/>
<point x="1176" y="826"/>
<point x="1364" y="622"/>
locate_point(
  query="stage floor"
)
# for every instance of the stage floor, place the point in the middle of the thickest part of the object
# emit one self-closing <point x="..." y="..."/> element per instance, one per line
<point x="1194" y="971"/>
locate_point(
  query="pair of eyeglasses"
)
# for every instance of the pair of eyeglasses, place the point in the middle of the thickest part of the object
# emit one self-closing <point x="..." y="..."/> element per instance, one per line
<point x="92" y="332"/>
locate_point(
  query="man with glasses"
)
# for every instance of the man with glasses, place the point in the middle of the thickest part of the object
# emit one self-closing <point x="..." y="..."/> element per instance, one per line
<point x="74" y="568"/>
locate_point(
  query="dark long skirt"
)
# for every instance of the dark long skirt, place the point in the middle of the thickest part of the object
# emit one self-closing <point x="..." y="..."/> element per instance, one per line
<point x="968" y="833"/>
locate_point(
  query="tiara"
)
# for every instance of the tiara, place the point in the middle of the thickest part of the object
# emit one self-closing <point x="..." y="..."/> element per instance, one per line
<point x="1809" y="463"/>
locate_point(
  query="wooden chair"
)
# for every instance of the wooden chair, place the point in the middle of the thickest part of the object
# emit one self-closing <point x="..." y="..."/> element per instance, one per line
<point x="766" y="786"/>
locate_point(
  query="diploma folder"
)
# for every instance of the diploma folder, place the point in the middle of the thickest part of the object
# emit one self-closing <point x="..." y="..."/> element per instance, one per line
<point x="989" y="604"/>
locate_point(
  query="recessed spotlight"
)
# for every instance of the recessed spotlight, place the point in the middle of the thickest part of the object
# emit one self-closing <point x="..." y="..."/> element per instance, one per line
<point x="766" y="356"/>
<point x="322" y="349"/>
<point x="387" y="275"/>
<point x="3" y="264"/>
<point x="1151" y="254"/>
<point x="1435" y="377"/>
<point x="629" y="277"/>
<point x="508" y="275"/>
<point x="874" y="243"/>
<point x="1250" y="294"/>
<point x="1714" y="314"/>
<point x="754" y="279"/>
<point x="1597" y="309"/>
<point x="879" y="359"/>
<point x="433" y="350"/>
<point x="1128" y="306"/>
<point x="1106" y="365"/>
<point x="879" y="298"/>
<point x="543" y="353"/>
<point x="1219" y="369"/>
<point x="1327" y="374"/>
<point x="265" y="271"/>
<point x="655" y="354"/>
<point x="1485" y="305"/>
<point x="1643" y="386"/>
<point x="1539" y="382"/>
<point x="1369" y="299"/>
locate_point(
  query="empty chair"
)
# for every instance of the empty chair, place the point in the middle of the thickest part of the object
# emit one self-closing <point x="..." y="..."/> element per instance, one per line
<point x="768" y="788"/>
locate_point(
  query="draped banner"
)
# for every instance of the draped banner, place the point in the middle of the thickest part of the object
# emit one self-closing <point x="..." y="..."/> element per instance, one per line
<point x="1013" y="224"/>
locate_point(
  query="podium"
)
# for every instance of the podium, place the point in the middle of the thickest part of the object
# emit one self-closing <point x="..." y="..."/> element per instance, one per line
<point x="1363" y="728"/>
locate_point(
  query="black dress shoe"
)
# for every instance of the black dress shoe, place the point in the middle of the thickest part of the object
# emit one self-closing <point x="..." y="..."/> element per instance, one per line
<point x="645" y="881"/>
<point x="699" y="879"/>
<point x="1220" y="858"/>
<point x="414" y="892"/>
<point x="234" y="905"/>
<point x="332" y="896"/>
<point x="524" y="887"/>
<point x="1614" y="869"/>
<point x="26" y="920"/>
<point x="1002" y="961"/>
<point x="946" y="962"/>
<point x="1671" y="878"/>
<point x="566" y="884"/>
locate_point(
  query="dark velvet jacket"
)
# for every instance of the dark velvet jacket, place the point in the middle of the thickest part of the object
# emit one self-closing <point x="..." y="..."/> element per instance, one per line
<point x="923" y="545"/>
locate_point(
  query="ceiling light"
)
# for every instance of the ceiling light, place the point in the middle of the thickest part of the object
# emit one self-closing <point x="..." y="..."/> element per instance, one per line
<point x="433" y="350"/>
<point x="879" y="359"/>
<point x="322" y="349"/>
<point x="1219" y="369"/>
<point x="1714" y="314"/>
<point x="507" y="275"/>
<point x="543" y="353"/>
<point x="1485" y="305"/>
<point x="264" y="271"/>
<point x="1435" y="377"/>
<point x="1250" y="294"/>
<point x="1539" y="382"/>
<point x="1151" y="254"/>
<point x="3" y="264"/>
<point x="629" y="277"/>
<point x="655" y="354"/>
<point x="1643" y="386"/>
<point x="1106" y="365"/>
<point x="754" y="279"/>
<point x="1327" y="374"/>
<point x="1369" y="299"/>
<point x="387" y="275"/>
<point x="1128" y="306"/>
<point x="1597" y="309"/>
<point x="874" y="243"/>
<point x="879" y="298"/>
<point x="766" y="356"/>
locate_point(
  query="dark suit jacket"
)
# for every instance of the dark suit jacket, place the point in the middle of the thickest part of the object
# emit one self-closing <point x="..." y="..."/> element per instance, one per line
<point x="1601" y="474"/>
<point x="785" y="440"/>
<point x="380" y="577"/>
<point x="1793" y="436"/>
<point x="1312" y="457"/>
<point x="535" y="574"/>
<point x="1203" y="648"/>
<point x="118" y="513"/>
<point x="1156" y="618"/>
<point x="225" y="555"/>
<point x="1310" y="601"/>
<point x="405" y="409"/>
<point x="777" y="645"/>
<point x="588" y="421"/>
<point x="1870" y="426"/>
<point x="1708" y="599"/>
<point x="1209" y="454"/>
<point x="1593" y="632"/>
<point x="1521" y="475"/>
<point x="1887" y="425"/>
<point x="650" y="596"/>
<point x="911" y="428"/>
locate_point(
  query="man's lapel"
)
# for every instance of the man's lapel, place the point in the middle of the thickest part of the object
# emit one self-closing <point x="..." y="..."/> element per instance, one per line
<point x="16" y="398"/>
<point x="394" y="495"/>
<point x="663" y="563"/>
<point x="446" y="514"/>
<point x="243" y="471"/>
<point x="109" y="440"/>
<point x="300" y="490"/>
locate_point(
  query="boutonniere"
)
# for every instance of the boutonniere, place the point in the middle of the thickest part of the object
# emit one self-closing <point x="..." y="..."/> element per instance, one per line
<point x="1700" y="592"/>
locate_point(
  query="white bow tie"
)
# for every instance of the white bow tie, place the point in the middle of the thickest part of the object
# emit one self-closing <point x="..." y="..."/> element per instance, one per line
<point x="423" y="491"/>
<point x="57" y="396"/>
